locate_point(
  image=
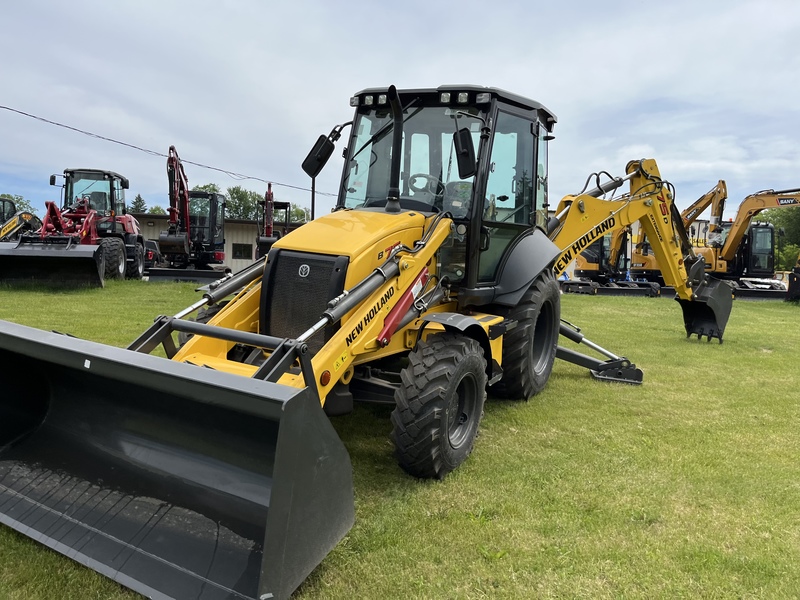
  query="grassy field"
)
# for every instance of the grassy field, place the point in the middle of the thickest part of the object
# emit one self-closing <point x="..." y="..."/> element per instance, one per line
<point x="687" y="486"/>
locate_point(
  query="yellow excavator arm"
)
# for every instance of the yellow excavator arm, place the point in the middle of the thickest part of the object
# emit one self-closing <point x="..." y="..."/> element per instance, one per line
<point x="715" y="198"/>
<point x="750" y="207"/>
<point x="584" y="218"/>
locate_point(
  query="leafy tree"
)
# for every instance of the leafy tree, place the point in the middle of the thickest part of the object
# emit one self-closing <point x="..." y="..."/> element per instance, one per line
<point x="211" y="188"/>
<point x="156" y="210"/>
<point x="786" y="219"/>
<point x="300" y="214"/>
<point x="138" y="205"/>
<point x="242" y="203"/>
<point x="19" y="202"/>
<point x="786" y="257"/>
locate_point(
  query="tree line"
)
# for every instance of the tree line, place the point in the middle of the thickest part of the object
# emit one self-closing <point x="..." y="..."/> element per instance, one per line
<point x="240" y="204"/>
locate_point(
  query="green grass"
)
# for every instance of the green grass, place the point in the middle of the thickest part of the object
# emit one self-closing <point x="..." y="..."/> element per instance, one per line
<point x="685" y="487"/>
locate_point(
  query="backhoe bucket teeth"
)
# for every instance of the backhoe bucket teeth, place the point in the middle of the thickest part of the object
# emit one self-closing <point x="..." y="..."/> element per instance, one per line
<point x="708" y="312"/>
<point x="51" y="264"/>
<point x="175" y="480"/>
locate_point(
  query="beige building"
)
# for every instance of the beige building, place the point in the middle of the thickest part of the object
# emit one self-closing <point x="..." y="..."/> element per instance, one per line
<point x="240" y="237"/>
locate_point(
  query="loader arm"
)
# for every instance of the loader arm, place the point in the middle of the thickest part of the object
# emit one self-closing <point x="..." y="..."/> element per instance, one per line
<point x="376" y="319"/>
<point x="584" y="218"/>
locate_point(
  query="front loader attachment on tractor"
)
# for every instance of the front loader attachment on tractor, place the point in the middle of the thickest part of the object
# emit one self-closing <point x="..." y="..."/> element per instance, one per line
<point x="174" y="480"/>
<point x="53" y="264"/>
<point x="707" y="313"/>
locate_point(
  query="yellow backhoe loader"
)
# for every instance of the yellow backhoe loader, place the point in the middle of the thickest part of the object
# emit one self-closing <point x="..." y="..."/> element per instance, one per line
<point x="584" y="219"/>
<point x="14" y="222"/>
<point x="215" y="472"/>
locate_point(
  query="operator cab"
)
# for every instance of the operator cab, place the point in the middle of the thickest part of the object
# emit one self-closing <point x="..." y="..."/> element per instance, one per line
<point x="494" y="201"/>
<point x="7" y="210"/>
<point x="102" y="191"/>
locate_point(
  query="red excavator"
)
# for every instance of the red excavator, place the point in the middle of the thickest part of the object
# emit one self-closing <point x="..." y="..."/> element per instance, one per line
<point x="268" y="234"/>
<point x="90" y="239"/>
<point x="194" y="242"/>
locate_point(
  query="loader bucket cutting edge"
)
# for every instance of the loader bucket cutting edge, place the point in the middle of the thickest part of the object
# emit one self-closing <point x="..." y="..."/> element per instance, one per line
<point x="174" y="480"/>
<point x="51" y="264"/>
<point x="707" y="314"/>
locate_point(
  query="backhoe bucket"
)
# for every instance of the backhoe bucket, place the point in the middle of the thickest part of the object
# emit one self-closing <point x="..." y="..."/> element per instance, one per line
<point x="175" y="480"/>
<point x="52" y="264"/>
<point x="708" y="312"/>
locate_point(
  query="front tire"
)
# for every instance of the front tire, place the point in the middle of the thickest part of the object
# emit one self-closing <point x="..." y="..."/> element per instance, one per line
<point x="439" y="405"/>
<point x="114" y="256"/>
<point x="136" y="269"/>
<point x="529" y="350"/>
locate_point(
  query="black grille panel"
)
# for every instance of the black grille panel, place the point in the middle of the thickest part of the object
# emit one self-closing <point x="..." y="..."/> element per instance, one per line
<point x="297" y="289"/>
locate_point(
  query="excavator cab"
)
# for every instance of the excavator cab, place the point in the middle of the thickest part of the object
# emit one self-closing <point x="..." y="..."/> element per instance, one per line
<point x="7" y="209"/>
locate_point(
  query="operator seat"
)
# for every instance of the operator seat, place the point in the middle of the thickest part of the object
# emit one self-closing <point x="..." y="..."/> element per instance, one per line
<point x="457" y="197"/>
<point x="98" y="201"/>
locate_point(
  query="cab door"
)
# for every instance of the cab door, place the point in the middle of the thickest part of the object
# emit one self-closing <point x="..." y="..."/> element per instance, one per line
<point x="516" y="190"/>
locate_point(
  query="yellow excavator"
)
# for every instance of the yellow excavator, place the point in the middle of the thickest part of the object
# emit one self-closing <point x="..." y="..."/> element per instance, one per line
<point x="215" y="472"/>
<point x="739" y="250"/>
<point x="583" y="219"/>
<point x="644" y="266"/>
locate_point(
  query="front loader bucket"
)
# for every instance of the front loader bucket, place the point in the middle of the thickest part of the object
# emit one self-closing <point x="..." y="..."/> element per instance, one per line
<point x="177" y="481"/>
<point x="708" y="312"/>
<point x="53" y="264"/>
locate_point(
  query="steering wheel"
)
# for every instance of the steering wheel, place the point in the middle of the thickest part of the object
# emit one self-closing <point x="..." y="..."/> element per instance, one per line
<point x="432" y="183"/>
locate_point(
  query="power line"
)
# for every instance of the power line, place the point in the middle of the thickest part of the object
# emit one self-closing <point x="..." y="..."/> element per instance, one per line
<point x="232" y="174"/>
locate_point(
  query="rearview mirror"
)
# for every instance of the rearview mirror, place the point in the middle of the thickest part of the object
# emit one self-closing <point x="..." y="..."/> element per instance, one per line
<point x="465" y="153"/>
<point x="318" y="156"/>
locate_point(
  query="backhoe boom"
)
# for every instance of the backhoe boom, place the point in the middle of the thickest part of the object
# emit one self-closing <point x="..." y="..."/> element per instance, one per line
<point x="584" y="218"/>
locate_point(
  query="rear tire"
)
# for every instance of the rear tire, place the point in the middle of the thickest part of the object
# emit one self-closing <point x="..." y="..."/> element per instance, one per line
<point x="135" y="270"/>
<point x="529" y="350"/>
<point x="439" y="405"/>
<point x="114" y="255"/>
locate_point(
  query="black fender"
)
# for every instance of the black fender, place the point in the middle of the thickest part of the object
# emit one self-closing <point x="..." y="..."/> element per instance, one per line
<point x="471" y="327"/>
<point x="530" y="256"/>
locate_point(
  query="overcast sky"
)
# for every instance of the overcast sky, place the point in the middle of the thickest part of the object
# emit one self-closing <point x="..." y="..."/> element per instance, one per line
<point x="708" y="88"/>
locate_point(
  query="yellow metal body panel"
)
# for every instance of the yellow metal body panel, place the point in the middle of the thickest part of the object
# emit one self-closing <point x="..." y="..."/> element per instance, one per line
<point x="368" y="239"/>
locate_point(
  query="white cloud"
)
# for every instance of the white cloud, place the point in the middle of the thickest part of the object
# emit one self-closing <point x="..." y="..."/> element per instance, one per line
<point x="707" y="89"/>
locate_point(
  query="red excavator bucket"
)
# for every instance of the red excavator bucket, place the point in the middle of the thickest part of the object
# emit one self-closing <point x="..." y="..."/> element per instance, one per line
<point x="174" y="480"/>
<point x="52" y="264"/>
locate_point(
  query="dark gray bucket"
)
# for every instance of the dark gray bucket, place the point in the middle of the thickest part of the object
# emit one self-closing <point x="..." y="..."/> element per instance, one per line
<point x="51" y="264"/>
<point x="174" y="480"/>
